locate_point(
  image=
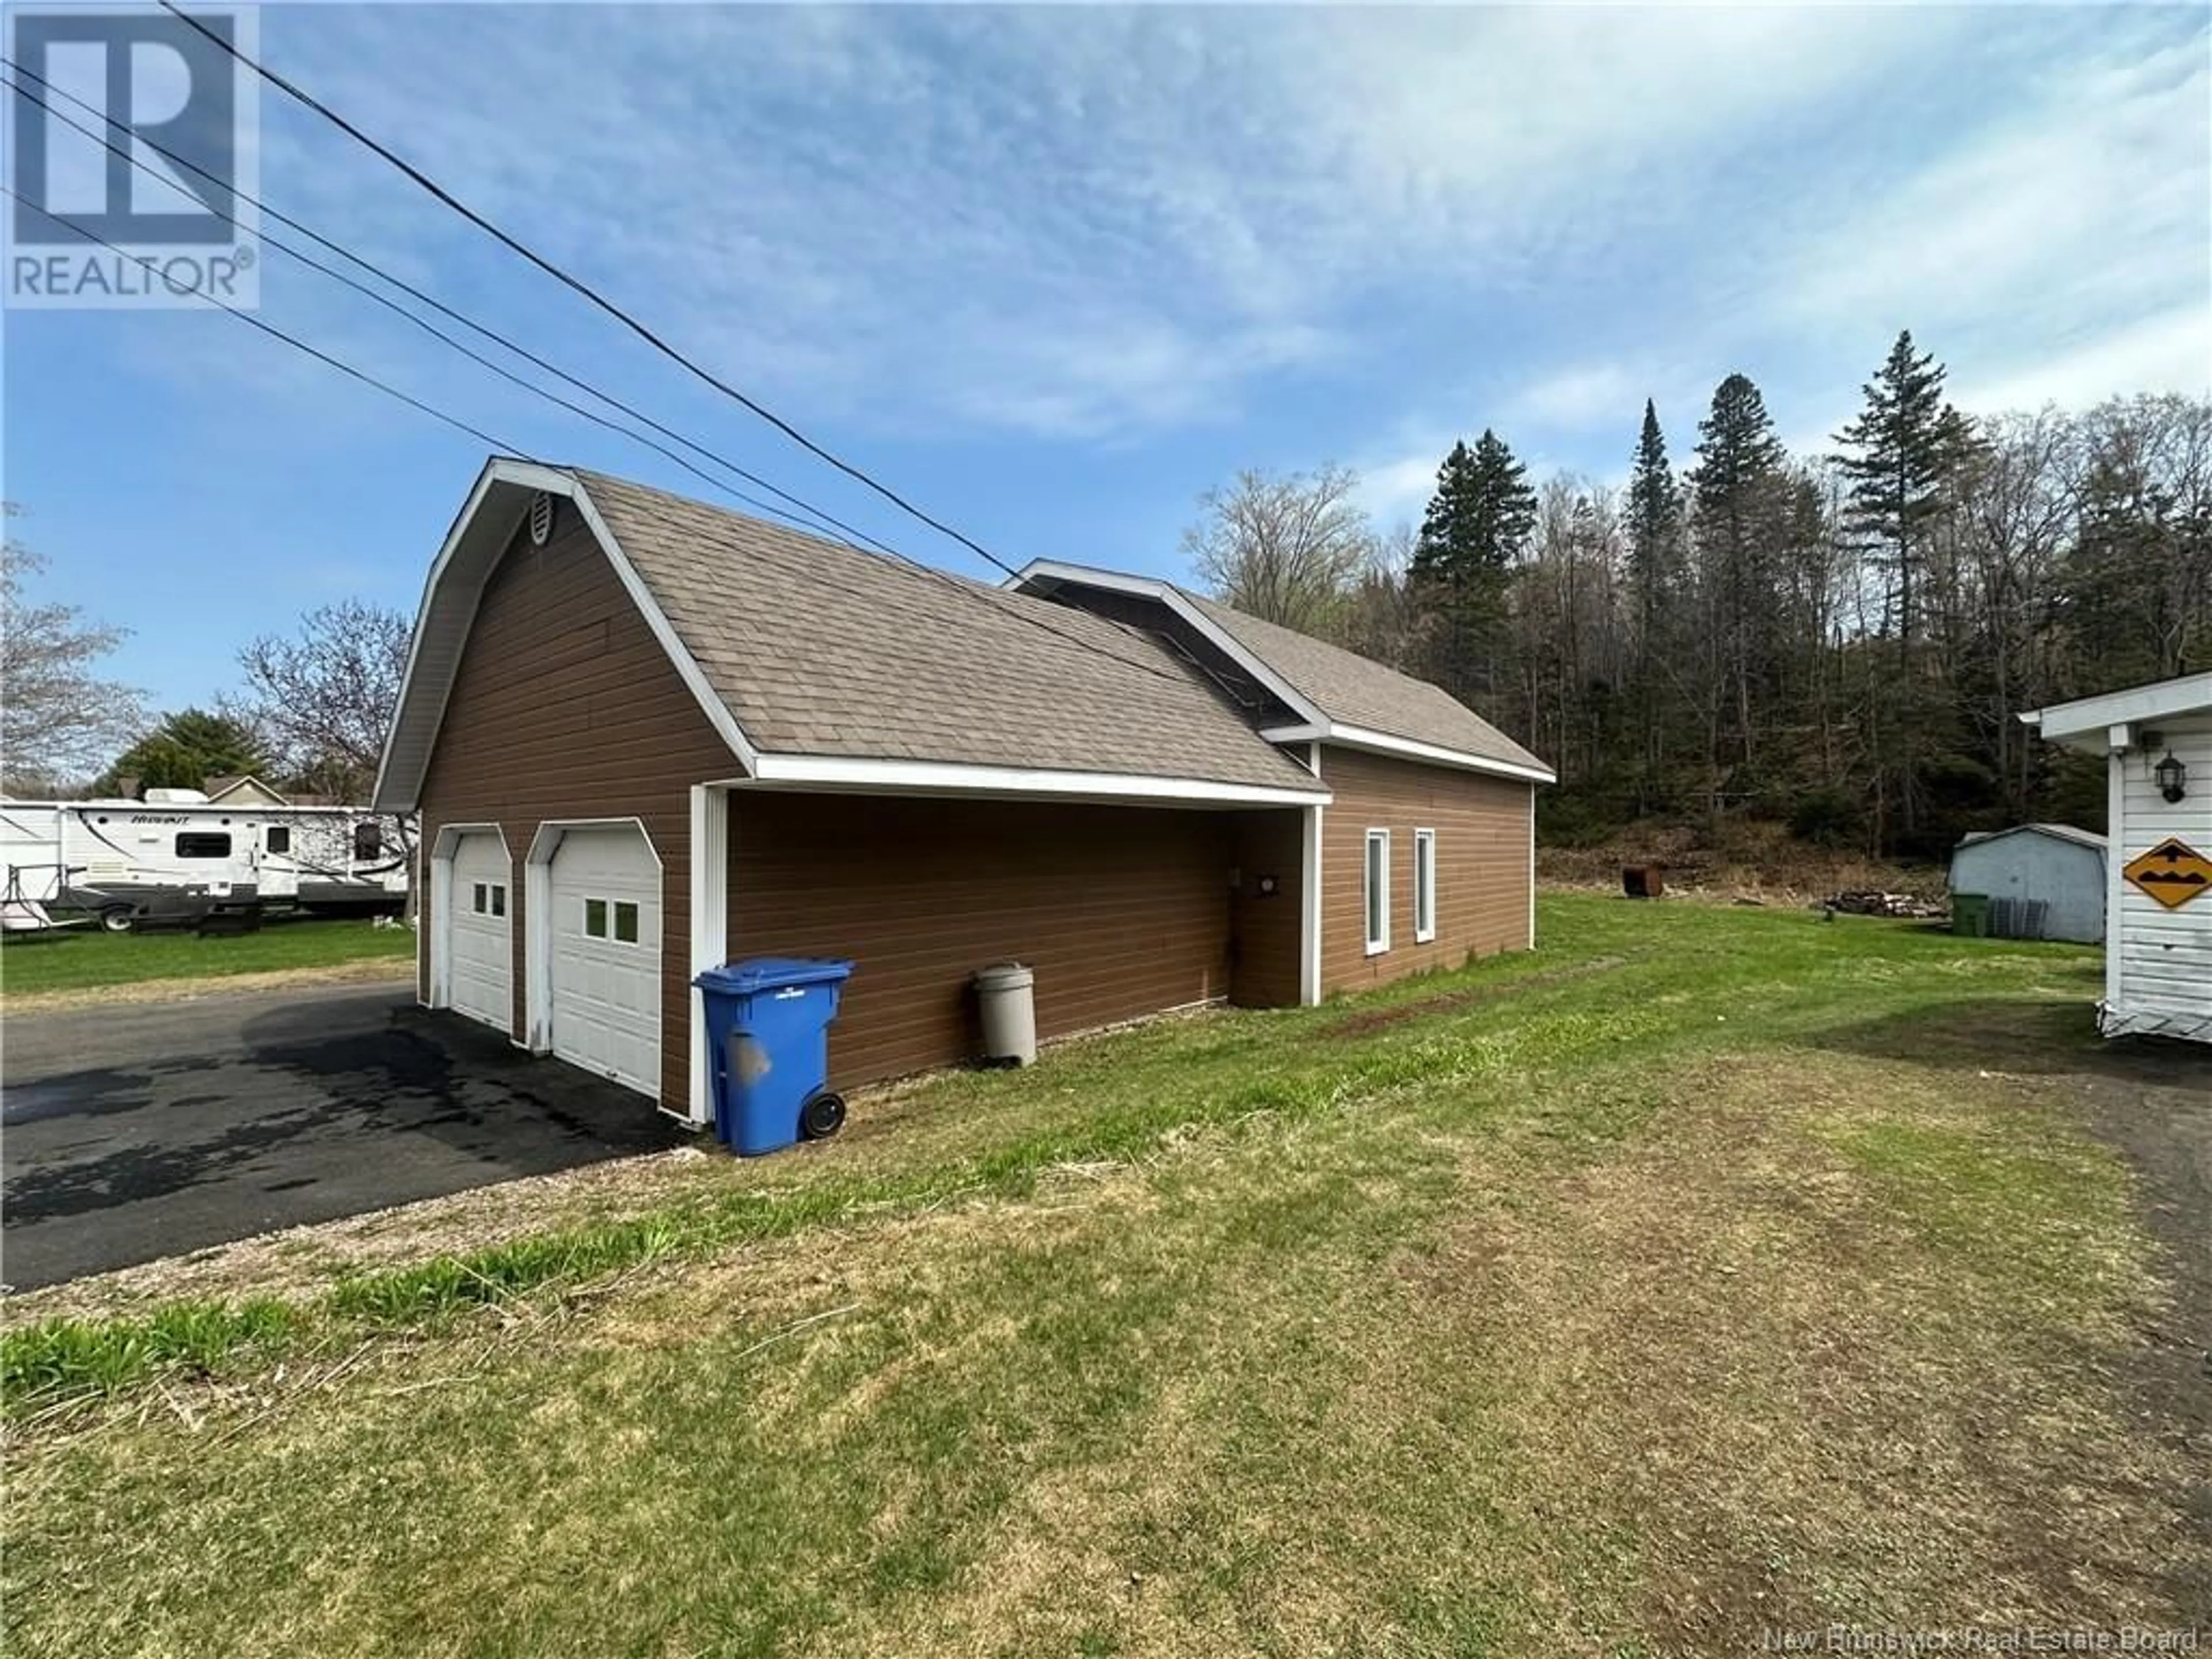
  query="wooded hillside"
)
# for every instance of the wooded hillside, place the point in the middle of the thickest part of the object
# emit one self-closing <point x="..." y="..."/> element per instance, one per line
<point x="1840" y="642"/>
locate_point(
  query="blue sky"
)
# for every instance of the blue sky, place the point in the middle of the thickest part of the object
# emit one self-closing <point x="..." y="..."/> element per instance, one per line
<point x="1053" y="271"/>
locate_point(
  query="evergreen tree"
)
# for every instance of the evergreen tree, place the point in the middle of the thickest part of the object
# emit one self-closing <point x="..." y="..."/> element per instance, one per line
<point x="1738" y="490"/>
<point x="185" y="749"/>
<point x="1900" y="457"/>
<point x="1654" y="524"/>
<point x="1655" y="580"/>
<point x="1473" y="533"/>
<point x="1899" y="454"/>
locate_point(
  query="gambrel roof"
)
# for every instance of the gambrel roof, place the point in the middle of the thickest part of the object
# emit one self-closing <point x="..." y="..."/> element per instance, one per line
<point x="823" y="665"/>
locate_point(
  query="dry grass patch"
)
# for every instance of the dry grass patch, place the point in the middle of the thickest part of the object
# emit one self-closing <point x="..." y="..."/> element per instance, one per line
<point x="1628" y="1323"/>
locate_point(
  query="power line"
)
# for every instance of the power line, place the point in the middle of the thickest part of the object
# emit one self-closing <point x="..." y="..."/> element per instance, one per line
<point x="578" y="285"/>
<point x="815" y="517"/>
<point x="436" y="333"/>
<point x="820" y="516"/>
<point x="274" y="333"/>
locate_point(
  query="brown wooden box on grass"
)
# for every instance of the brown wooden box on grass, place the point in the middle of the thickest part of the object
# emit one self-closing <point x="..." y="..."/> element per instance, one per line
<point x="1644" y="881"/>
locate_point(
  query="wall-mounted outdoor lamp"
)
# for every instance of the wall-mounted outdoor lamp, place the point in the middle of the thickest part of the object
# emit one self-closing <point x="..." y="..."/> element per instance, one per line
<point x="2172" y="775"/>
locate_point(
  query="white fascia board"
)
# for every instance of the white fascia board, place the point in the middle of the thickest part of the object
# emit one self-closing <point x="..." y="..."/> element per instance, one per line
<point x="518" y="480"/>
<point x="687" y="666"/>
<point x="462" y="522"/>
<point x="900" y="777"/>
<point x="1151" y="587"/>
<point x="2085" y="722"/>
<point x="1382" y="743"/>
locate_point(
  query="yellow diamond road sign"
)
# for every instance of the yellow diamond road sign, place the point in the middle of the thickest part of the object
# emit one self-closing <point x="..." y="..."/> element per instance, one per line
<point x="2172" y="873"/>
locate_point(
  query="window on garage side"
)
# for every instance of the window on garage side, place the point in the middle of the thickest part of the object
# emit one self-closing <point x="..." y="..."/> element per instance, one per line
<point x="1425" y="885"/>
<point x="625" y="921"/>
<point x="481" y="901"/>
<point x="499" y="898"/>
<point x="595" y="918"/>
<point x="1378" y="886"/>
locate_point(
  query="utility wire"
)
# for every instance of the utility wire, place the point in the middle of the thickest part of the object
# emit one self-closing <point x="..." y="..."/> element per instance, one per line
<point x="276" y="333"/>
<point x="578" y="285"/>
<point x="819" y="518"/>
<point x="436" y="333"/>
<point x="815" y="517"/>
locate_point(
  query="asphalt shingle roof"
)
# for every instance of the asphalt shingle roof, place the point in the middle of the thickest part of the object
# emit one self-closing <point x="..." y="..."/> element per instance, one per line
<point x="1355" y="690"/>
<point x="819" y="648"/>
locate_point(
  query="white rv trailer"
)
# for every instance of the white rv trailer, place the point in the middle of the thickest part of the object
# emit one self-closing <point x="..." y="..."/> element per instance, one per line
<point x="178" y="857"/>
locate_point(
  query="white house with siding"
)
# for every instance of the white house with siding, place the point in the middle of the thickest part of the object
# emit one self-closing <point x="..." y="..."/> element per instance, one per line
<point x="2157" y="742"/>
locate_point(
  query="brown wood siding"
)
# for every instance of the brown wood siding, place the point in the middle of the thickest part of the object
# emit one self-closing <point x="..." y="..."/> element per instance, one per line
<point x="1482" y="864"/>
<point x="1122" y="911"/>
<point x="1264" y="968"/>
<point x="566" y="707"/>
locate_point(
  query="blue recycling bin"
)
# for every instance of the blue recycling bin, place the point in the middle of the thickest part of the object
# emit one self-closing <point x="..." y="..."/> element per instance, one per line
<point x="767" y="1035"/>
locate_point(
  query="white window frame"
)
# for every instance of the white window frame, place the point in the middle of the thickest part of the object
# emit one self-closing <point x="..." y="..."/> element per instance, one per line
<point x="610" y="914"/>
<point x="1370" y="909"/>
<point x="1425" y="886"/>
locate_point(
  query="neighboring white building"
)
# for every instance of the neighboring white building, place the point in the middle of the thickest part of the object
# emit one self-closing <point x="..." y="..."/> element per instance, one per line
<point x="2043" y="880"/>
<point x="2157" y="740"/>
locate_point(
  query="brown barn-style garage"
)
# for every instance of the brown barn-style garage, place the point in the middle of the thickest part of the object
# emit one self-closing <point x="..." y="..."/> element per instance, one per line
<point x="646" y="735"/>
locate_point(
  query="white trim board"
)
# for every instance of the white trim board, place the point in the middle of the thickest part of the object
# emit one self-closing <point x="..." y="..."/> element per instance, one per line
<point x="471" y="555"/>
<point x="1382" y="743"/>
<point x="2100" y="722"/>
<point x="1151" y="588"/>
<point x="1425" y="881"/>
<point x="1370" y="889"/>
<point x="710" y="923"/>
<point x="832" y="773"/>
<point x="1313" y="723"/>
<point x="1309" y="906"/>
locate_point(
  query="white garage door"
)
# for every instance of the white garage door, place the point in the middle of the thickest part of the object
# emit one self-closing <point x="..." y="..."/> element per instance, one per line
<point x="480" y="956"/>
<point x="606" y="956"/>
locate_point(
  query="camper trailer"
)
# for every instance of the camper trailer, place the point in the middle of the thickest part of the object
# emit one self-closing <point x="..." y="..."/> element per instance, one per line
<point x="177" y="857"/>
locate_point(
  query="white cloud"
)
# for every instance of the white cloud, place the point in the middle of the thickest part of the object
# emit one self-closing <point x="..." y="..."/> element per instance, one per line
<point x="1396" y="487"/>
<point x="1095" y="222"/>
<point x="1577" y="397"/>
<point x="1067" y="221"/>
<point x="2083" y="213"/>
<point x="2170" y="351"/>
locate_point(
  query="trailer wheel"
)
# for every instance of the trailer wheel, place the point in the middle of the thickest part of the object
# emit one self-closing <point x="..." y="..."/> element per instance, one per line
<point x="115" y="919"/>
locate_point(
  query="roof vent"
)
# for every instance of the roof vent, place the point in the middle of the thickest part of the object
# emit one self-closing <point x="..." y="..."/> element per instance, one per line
<point x="541" y="519"/>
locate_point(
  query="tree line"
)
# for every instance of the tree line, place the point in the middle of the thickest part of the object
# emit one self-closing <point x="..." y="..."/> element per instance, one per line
<point x="307" y="715"/>
<point x="1842" y="641"/>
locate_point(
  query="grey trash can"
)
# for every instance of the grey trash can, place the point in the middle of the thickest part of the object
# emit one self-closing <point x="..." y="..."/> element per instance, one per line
<point x="1003" y="991"/>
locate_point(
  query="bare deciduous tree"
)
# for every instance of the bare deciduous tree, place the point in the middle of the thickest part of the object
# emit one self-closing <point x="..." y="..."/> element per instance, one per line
<point x="1287" y="548"/>
<point x="59" y="719"/>
<point x="325" y="696"/>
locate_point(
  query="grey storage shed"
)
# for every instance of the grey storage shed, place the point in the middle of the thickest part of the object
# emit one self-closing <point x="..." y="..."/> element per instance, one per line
<point x="2043" y="880"/>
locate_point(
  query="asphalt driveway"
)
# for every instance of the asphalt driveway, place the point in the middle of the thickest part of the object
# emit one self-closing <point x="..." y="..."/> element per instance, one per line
<point x="136" y="1131"/>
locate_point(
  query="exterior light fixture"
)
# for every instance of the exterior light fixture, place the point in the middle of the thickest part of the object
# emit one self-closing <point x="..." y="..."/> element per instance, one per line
<point x="2173" y="777"/>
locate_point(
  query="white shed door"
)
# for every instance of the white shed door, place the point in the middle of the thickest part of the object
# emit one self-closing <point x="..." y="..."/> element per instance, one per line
<point x="480" y="966"/>
<point x="606" y="956"/>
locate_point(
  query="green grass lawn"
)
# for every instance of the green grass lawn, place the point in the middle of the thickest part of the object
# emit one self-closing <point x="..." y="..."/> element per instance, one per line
<point x="81" y="958"/>
<point x="1704" y="1272"/>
